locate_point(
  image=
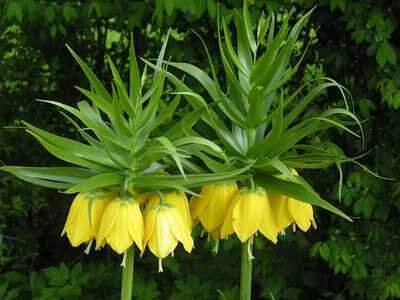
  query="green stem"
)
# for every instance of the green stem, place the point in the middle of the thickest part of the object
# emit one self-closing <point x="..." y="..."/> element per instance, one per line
<point x="251" y="137"/>
<point x="127" y="275"/>
<point x="245" y="271"/>
<point x="252" y="185"/>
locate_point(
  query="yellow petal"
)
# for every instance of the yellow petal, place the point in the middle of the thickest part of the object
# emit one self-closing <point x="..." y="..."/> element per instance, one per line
<point x="135" y="224"/>
<point x="218" y="198"/>
<point x="162" y="241"/>
<point x="150" y="219"/>
<point x="73" y="210"/>
<point x="301" y="212"/>
<point x="107" y="222"/>
<point x="268" y="225"/>
<point x="227" y="226"/>
<point x="247" y="213"/>
<point x="152" y="201"/>
<point x="279" y="206"/>
<point x="197" y="205"/>
<point x="179" y="229"/>
<point x="180" y="202"/>
<point x="119" y="237"/>
<point x="78" y="227"/>
<point x="97" y="210"/>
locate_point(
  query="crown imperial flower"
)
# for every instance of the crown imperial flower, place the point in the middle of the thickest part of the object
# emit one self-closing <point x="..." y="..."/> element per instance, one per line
<point x="180" y="202"/>
<point x="289" y="211"/>
<point x="165" y="226"/>
<point x="250" y="212"/>
<point x="121" y="225"/>
<point x="211" y="207"/>
<point x="84" y="217"/>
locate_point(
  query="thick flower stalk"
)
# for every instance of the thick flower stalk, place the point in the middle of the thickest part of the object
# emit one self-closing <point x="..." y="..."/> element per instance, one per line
<point x="121" y="225"/>
<point x="84" y="217"/>
<point x="211" y="207"/>
<point x="166" y="225"/>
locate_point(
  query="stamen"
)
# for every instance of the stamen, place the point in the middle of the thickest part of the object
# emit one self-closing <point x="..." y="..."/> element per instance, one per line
<point x="294" y="227"/>
<point x="216" y="247"/>
<point x="160" y="268"/>
<point x="208" y="237"/>
<point x="87" y="250"/>
<point x="123" y="263"/>
<point x="283" y="232"/>
<point x="172" y="253"/>
<point x="202" y="233"/>
<point x="314" y="225"/>
<point x="249" y="248"/>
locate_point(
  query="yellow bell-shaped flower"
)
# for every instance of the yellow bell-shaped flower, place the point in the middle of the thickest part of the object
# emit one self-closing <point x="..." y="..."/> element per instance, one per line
<point x="211" y="207"/>
<point x="279" y="206"/>
<point x="250" y="212"/>
<point x="302" y="214"/>
<point x="84" y="217"/>
<point x="289" y="211"/>
<point x="180" y="202"/>
<point x="165" y="226"/>
<point x="121" y="225"/>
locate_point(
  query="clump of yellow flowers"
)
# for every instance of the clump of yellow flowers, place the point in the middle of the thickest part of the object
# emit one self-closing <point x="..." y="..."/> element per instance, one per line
<point x="248" y="210"/>
<point x="159" y="221"/>
<point x="121" y="220"/>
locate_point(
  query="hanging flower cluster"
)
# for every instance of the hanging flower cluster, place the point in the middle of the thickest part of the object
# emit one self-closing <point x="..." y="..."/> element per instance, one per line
<point x="121" y="220"/>
<point x="161" y="221"/>
<point x="222" y="209"/>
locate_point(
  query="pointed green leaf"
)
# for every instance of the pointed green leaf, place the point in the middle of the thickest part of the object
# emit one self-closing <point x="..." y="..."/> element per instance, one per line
<point x="94" y="81"/>
<point x="95" y="182"/>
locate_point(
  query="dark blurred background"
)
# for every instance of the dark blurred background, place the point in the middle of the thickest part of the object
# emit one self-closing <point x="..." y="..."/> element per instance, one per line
<point x="356" y="42"/>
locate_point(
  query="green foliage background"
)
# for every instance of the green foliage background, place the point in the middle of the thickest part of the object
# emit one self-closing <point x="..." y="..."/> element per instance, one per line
<point x="356" y="42"/>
